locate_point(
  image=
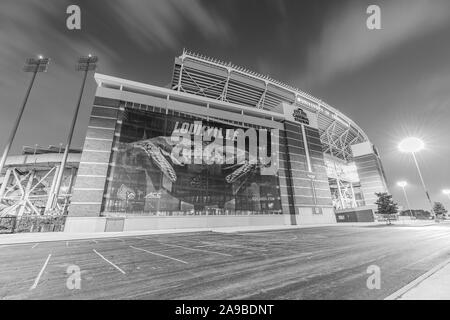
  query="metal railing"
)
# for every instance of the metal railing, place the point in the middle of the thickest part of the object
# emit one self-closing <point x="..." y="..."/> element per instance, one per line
<point x="24" y="224"/>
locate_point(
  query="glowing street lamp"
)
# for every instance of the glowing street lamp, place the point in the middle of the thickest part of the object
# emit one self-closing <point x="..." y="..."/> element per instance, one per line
<point x="403" y="184"/>
<point x="413" y="145"/>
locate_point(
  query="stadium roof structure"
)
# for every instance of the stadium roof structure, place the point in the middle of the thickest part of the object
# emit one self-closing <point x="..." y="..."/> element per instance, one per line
<point x="203" y="76"/>
<point x="50" y="149"/>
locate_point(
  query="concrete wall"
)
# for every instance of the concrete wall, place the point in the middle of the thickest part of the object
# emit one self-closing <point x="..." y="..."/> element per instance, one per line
<point x="304" y="187"/>
<point x="305" y="215"/>
<point x="370" y="172"/>
<point x="100" y="224"/>
<point x="361" y="214"/>
<point x="158" y="223"/>
<point x="85" y="224"/>
<point x="92" y="173"/>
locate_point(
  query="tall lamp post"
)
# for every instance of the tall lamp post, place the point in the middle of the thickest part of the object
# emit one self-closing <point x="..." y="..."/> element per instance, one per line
<point x="32" y="65"/>
<point x="403" y="184"/>
<point x="413" y="145"/>
<point x="85" y="64"/>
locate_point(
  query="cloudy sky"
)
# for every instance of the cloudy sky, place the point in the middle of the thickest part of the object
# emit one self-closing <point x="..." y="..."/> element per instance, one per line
<point x="393" y="82"/>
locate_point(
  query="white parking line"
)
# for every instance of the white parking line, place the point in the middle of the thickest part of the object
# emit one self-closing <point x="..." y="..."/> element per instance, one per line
<point x="187" y="248"/>
<point x="161" y="255"/>
<point x="251" y="234"/>
<point x="14" y="244"/>
<point x="35" y="246"/>
<point x="36" y="281"/>
<point x="108" y="261"/>
<point x="140" y="238"/>
<point x="210" y="244"/>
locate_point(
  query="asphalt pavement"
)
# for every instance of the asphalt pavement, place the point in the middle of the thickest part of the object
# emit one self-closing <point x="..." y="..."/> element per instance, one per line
<point x="308" y="263"/>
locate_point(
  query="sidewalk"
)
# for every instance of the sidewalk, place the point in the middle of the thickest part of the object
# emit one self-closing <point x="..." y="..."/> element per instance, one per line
<point x="433" y="285"/>
<point x="18" y="238"/>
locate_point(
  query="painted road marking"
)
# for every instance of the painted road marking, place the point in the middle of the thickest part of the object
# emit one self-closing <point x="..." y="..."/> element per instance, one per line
<point x="252" y="234"/>
<point x="108" y="261"/>
<point x="94" y="241"/>
<point x="187" y="248"/>
<point x="35" y="246"/>
<point x="209" y="244"/>
<point x="161" y="255"/>
<point x="14" y="244"/>
<point x="67" y="244"/>
<point x="36" y="281"/>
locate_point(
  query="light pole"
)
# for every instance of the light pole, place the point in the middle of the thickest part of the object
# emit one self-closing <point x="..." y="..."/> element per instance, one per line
<point x="32" y="65"/>
<point x="85" y="64"/>
<point x="413" y="145"/>
<point x="403" y="184"/>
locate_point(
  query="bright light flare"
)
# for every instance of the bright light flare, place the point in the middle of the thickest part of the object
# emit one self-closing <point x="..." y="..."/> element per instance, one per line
<point x="402" y="184"/>
<point x="446" y="191"/>
<point x="411" y="144"/>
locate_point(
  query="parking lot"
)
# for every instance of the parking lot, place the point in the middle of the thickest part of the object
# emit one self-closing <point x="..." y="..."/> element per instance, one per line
<point x="309" y="263"/>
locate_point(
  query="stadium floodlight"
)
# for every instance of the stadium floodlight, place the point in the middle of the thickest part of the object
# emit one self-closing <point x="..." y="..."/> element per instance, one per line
<point x="403" y="185"/>
<point x="32" y="65"/>
<point x="85" y="64"/>
<point x="413" y="145"/>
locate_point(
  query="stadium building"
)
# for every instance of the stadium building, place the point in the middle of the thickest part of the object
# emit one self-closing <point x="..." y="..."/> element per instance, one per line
<point x="221" y="146"/>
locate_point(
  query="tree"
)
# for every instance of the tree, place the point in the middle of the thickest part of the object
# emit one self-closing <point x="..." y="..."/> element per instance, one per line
<point x="439" y="209"/>
<point x="386" y="206"/>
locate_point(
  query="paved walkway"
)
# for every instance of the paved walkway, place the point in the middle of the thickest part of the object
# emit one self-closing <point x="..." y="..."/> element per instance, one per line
<point x="433" y="285"/>
<point x="65" y="236"/>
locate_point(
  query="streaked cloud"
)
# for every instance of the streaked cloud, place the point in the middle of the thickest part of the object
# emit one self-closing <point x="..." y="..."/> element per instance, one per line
<point x="160" y="23"/>
<point x="345" y="43"/>
<point x="40" y="29"/>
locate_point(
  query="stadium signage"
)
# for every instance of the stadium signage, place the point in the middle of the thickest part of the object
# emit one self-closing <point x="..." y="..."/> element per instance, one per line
<point x="196" y="143"/>
<point x="307" y="103"/>
<point x="300" y="116"/>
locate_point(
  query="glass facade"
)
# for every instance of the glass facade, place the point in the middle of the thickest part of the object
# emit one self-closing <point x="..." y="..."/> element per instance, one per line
<point x="156" y="170"/>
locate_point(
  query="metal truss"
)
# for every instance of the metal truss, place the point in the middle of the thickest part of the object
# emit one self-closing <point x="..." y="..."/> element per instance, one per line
<point x="344" y="195"/>
<point x="29" y="192"/>
<point x="215" y="79"/>
<point x="337" y="140"/>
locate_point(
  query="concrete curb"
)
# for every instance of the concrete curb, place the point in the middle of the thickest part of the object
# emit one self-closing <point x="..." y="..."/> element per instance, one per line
<point x="64" y="236"/>
<point x="399" y="293"/>
<point x="20" y="238"/>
